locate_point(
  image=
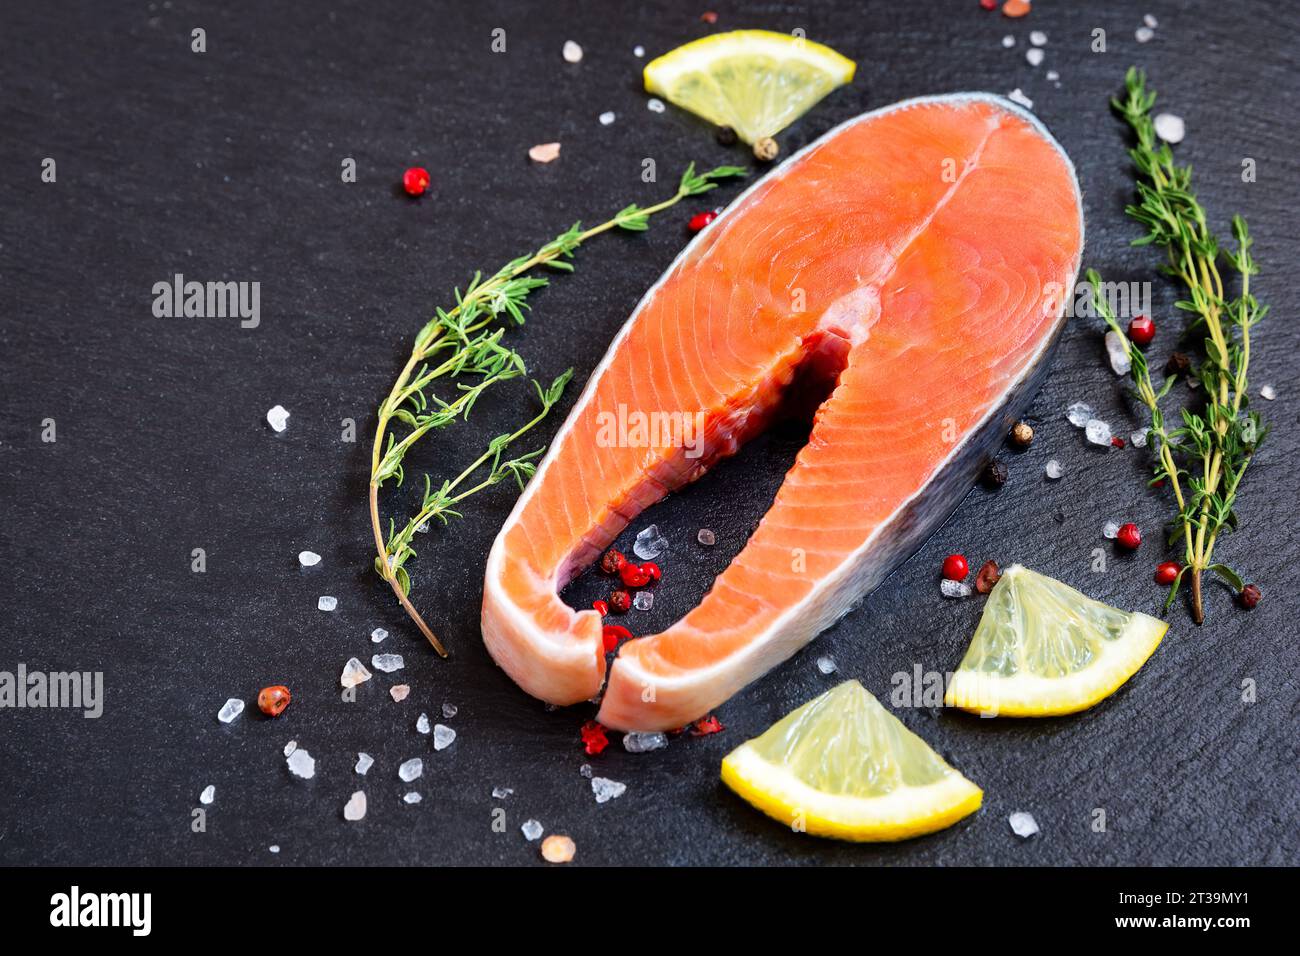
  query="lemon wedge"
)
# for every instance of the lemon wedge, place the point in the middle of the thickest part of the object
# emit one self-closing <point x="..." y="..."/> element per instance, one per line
<point x="843" y="766"/>
<point x="1042" y="648"/>
<point x="755" y="81"/>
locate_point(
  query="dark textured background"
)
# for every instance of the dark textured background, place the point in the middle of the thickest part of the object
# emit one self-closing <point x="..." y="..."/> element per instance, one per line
<point x="226" y="165"/>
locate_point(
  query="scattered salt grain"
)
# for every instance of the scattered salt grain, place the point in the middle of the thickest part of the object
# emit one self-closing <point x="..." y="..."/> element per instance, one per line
<point x="326" y="602"/>
<point x="1117" y="352"/>
<point x="422" y="724"/>
<point x="571" y="52"/>
<point x="500" y="793"/>
<point x="1035" y="56"/>
<point x="1079" y="414"/>
<point x="1138" y="439"/>
<point x="706" y="537"/>
<point x="274" y="848"/>
<point x="1144" y="34"/>
<point x="1008" y="41"/>
<point x="378" y="635"/>
<point x="308" y="558"/>
<point x="643" y="601"/>
<point x="638" y="51"/>
<point x="449" y="711"/>
<point x="532" y="830"/>
<point x="1268" y="393"/>
<point x="399" y="692"/>
<point x="278" y="418"/>
<point x="208" y="795"/>
<point x="1053" y="76"/>
<point x="290" y="747"/>
<point x="1110" y="529"/>
<point x="410" y="770"/>
<point x="606" y="789"/>
<point x="354" y="673"/>
<point x="558" y="849"/>
<point x="607" y="117"/>
<point x="585" y="770"/>
<point x="1053" y="469"/>
<point x="655" y="105"/>
<point x="649" y="543"/>
<point x="387" y="662"/>
<point x="954" y="589"/>
<point x="1097" y="432"/>
<point x="827" y="666"/>
<point x="1169" y="127"/>
<point x="1023" y="824"/>
<point x="640" y="743"/>
<point x="355" y="808"/>
<point x="544" y="152"/>
<point x="230" y="710"/>
<point x="1016" y="96"/>
<point x="1038" y="38"/>
<point x="422" y="527"/>
<point x="443" y="736"/>
<point x="412" y="798"/>
<point x="302" y="764"/>
<point x="1150" y="21"/>
<point x="364" y="763"/>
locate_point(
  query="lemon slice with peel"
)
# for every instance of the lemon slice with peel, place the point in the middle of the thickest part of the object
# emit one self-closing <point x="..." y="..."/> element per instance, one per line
<point x="1042" y="648"/>
<point x="755" y="81"/>
<point x="843" y="766"/>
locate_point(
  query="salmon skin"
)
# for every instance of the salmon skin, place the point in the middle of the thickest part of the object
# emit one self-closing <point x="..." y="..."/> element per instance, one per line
<point x="917" y="259"/>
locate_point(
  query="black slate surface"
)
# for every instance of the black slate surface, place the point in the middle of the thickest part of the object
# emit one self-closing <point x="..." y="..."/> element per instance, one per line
<point x="226" y="165"/>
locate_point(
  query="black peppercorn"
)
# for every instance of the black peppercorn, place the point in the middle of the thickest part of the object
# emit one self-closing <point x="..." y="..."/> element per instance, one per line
<point x="995" y="475"/>
<point x="726" y="136"/>
<point x="1178" y="364"/>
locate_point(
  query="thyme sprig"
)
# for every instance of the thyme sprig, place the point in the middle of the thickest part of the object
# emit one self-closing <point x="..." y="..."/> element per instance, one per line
<point x="465" y="341"/>
<point x="1204" y="459"/>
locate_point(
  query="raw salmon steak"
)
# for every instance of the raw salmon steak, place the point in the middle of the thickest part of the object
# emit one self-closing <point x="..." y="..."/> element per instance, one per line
<point x="915" y="260"/>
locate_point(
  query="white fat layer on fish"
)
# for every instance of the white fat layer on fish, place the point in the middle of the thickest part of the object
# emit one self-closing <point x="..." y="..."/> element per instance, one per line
<point x="855" y="576"/>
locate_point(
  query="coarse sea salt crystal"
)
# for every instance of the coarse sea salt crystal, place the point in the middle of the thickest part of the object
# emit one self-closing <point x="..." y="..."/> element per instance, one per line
<point x="1169" y="127"/>
<point x="826" y="666"/>
<point x="412" y="797"/>
<point x="544" y="152"/>
<point x="230" y="710"/>
<point x="355" y="808"/>
<point x="607" y="117"/>
<point x="1268" y="393"/>
<point x="532" y="830"/>
<point x="636" y="742"/>
<point x="364" y="762"/>
<point x="706" y="537"/>
<point x="585" y="770"/>
<point x="1038" y="38"/>
<point x="302" y="764"/>
<point x="571" y="52"/>
<point x="1110" y="529"/>
<point x="208" y="795"/>
<point x="278" y="418"/>
<point x="1097" y="432"/>
<point x="399" y="692"/>
<point x="449" y="711"/>
<point x="638" y="51"/>
<point x="422" y="527"/>
<point x="308" y="558"/>
<point x="1016" y="96"/>
<point x="1079" y="414"/>
<point x="443" y="736"/>
<point x="410" y="770"/>
<point x="954" y="589"/>
<point x="500" y="793"/>
<point x="422" y="724"/>
<point x="1138" y="439"/>
<point x="1035" y="56"/>
<point x="655" y="105"/>
<point x="649" y="543"/>
<point x="1023" y="824"/>
<point x="1150" y="21"/>
<point x="326" y="602"/>
<point x="1144" y="34"/>
<point x="1008" y="41"/>
<point x="378" y="635"/>
<point x="274" y="848"/>
<point x="1053" y="469"/>
<point x="1117" y="352"/>
<point x="387" y="662"/>
<point x="606" y="789"/>
<point x="290" y="747"/>
<point x="643" y="601"/>
<point x="354" y="673"/>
